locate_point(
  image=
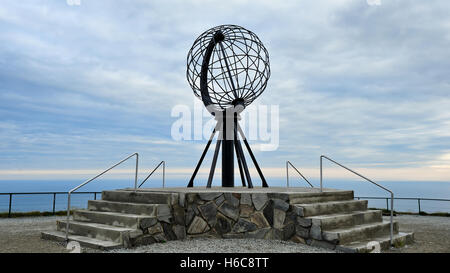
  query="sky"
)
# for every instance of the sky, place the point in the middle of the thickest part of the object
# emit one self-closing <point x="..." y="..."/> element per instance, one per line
<point x="363" y="82"/>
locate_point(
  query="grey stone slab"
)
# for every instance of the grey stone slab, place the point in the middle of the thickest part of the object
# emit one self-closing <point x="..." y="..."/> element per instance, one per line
<point x="280" y="204"/>
<point x="180" y="232"/>
<point x="288" y="231"/>
<point x="302" y="232"/>
<point x="168" y="232"/>
<point x="243" y="226"/>
<point x="219" y="200"/>
<point x="231" y="199"/>
<point x="315" y="232"/>
<point x="208" y="196"/>
<point x="259" y="200"/>
<point x="304" y="222"/>
<point x="246" y="199"/>
<point x="223" y="224"/>
<point x="268" y="212"/>
<point x="278" y="218"/>
<point x="229" y="211"/>
<point x="198" y="225"/>
<point x="246" y="210"/>
<point x="209" y="212"/>
<point x="259" y="219"/>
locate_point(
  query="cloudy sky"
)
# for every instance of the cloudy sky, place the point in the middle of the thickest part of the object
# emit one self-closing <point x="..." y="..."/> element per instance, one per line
<point x="83" y="86"/>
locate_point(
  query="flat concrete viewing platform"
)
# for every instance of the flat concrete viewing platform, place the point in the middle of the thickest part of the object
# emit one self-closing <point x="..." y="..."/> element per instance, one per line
<point x="238" y="190"/>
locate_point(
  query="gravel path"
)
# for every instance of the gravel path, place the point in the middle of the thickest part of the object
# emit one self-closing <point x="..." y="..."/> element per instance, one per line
<point x="23" y="235"/>
<point x="432" y="234"/>
<point x="202" y="245"/>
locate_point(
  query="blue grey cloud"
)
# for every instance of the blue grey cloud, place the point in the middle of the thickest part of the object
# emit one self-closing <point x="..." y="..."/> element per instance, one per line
<point x="82" y="86"/>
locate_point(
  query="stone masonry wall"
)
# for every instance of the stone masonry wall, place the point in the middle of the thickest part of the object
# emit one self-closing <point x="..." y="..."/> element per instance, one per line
<point x="231" y="215"/>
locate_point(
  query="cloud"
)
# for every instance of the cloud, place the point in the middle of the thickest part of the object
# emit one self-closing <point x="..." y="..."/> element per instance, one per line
<point x="86" y="85"/>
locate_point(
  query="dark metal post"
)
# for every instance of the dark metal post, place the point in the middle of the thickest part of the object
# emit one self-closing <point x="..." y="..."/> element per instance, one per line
<point x="387" y="203"/>
<point x="213" y="164"/>
<point x="10" y="202"/>
<point x="54" y="200"/>
<point x="418" y="200"/>
<point x="264" y="183"/>
<point x="95" y="196"/>
<point x="227" y="152"/>
<point x="191" y="182"/>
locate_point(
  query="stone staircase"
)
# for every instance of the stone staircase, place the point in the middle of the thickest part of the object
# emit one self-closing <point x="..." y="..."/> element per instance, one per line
<point x="115" y="221"/>
<point x="345" y="224"/>
<point x="331" y="219"/>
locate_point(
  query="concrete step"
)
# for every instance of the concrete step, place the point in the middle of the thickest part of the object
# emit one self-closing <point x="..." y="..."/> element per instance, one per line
<point x="145" y="197"/>
<point x="114" y="219"/>
<point x="399" y="240"/>
<point x="348" y="219"/>
<point x="333" y="207"/>
<point x="129" y="208"/>
<point x="344" y="236"/>
<point x="97" y="231"/>
<point x="318" y="197"/>
<point x="60" y="236"/>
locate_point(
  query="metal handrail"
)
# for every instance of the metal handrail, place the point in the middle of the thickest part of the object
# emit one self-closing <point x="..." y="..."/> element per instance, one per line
<point x="392" y="194"/>
<point x="287" y="174"/>
<point x="86" y="182"/>
<point x="164" y="173"/>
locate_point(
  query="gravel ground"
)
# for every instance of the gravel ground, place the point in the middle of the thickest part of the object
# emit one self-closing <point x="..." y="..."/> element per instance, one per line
<point x="432" y="234"/>
<point x="202" y="245"/>
<point x="23" y="235"/>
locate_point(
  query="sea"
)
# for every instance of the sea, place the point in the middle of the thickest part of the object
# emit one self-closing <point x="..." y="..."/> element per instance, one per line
<point x="44" y="202"/>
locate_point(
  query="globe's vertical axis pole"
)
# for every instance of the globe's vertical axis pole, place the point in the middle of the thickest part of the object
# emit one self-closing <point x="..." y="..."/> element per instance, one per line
<point x="227" y="151"/>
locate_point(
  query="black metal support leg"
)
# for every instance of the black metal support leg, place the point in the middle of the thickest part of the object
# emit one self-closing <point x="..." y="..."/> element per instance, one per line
<point x="238" y="155"/>
<point x="213" y="164"/>
<point x="191" y="182"/>
<point x="264" y="183"/>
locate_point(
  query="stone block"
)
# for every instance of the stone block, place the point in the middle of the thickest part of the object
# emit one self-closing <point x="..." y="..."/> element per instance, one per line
<point x="288" y="231"/>
<point x="180" y="232"/>
<point x="268" y="213"/>
<point x="209" y="196"/>
<point x="197" y="226"/>
<point x="219" y="200"/>
<point x="168" y="232"/>
<point x="259" y="219"/>
<point x="278" y="218"/>
<point x="298" y="240"/>
<point x="243" y="226"/>
<point x="145" y="223"/>
<point x="280" y="204"/>
<point x="315" y="232"/>
<point x="155" y="229"/>
<point x="209" y="212"/>
<point x="259" y="200"/>
<point x="223" y="224"/>
<point x="231" y="199"/>
<point x="304" y="222"/>
<point x="302" y="232"/>
<point x="246" y="199"/>
<point x="179" y="215"/>
<point x="229" y="211"/>
<point x="246" y="210"/>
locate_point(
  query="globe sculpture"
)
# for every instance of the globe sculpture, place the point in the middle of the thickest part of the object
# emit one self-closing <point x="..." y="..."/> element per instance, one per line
<point x="228" y="68"/>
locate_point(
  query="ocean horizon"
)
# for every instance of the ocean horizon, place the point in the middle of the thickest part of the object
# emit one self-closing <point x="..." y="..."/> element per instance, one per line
<point x="410" y="189"/>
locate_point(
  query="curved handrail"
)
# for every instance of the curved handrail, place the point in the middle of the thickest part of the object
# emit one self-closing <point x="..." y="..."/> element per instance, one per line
<point x="287" y="174"/>
<point x="348" y="169"/>
<point x="86" y="182"/>
<point x="164" y="173"/>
